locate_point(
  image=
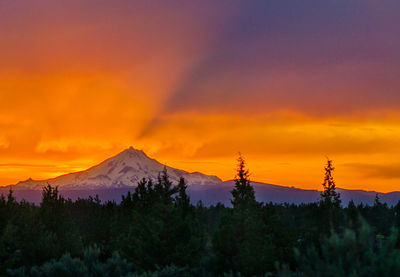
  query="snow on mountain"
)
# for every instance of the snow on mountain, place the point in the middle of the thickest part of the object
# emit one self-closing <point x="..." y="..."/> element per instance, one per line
<point x="122" y="170"/>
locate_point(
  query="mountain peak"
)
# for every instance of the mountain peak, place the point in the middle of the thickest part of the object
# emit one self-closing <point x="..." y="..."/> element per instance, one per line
<point x="132" y="153"/>
<point x="133" y="150"/>
<point x="123" y="170"/>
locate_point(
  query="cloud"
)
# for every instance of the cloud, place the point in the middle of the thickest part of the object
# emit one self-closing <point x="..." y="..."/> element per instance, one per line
<point x="321" y="57"/>
<point x="26" y="165"/>
<point x="276" y="134"/>
<point x="377" y="171"/>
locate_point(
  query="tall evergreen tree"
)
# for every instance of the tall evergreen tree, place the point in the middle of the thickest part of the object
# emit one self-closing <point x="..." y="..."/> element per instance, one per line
<point x="182" y="199"/>
<point x="11" y="200"/>
<point x="352" y="213"/>
<point x="243" y="192"/>
<point x="164" y="188"/>
<point x="329" y="196"/>
<point x="143" y="195"/>
<point x="377" y="201"/>
<point x="57" y="219"/>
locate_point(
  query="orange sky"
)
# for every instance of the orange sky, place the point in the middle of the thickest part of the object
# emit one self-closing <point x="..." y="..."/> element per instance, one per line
<point x="194" y="84"/>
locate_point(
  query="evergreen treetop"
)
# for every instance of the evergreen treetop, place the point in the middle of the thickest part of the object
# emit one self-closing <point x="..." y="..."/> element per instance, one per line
<point x="243" y="192"/>
<point x="329" y="196"/>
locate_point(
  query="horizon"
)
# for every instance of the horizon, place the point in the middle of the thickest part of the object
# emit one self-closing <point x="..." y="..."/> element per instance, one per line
<point x="192" y="84"/>
<point x="223" y="180"/>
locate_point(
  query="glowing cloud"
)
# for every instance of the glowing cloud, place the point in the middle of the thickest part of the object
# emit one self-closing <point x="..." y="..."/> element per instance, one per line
<point x="194" y="83"/>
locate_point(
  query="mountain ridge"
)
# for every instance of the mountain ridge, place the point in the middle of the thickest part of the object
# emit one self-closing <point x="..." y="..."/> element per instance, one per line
<point x="119" y="174"/>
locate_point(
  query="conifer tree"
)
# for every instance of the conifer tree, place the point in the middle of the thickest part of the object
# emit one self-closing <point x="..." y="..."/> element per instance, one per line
<point x="11" y="200"/>
<point x="182" y="200"/>
<point x="352" y="214"/>
<point x="377" y="201"/>
<point x="164" y="188"/>
<point x="57" y="219"/>
<point x="329" y="197"/>
<point x="142" y="196"/>
<point x="243" y="192"/>
<point x="127" y="202"/>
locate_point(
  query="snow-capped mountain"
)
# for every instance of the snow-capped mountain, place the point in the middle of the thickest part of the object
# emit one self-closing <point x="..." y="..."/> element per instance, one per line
<point x="118" y="175"/>
<point x="122" y="170"/>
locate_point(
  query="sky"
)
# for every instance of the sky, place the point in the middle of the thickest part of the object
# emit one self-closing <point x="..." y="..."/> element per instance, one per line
<point x="193" y="83"/>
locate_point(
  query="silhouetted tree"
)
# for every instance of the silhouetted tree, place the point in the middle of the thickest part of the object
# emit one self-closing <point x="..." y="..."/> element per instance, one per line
<point x="329" y="196"/>
<point x="377" y="201"/>
<point x="11" y="201"/>
<point x="182" y="199"/>
<point x="352" y="214"/>
<point x="243" y="192"/>
<point x="381" y="217"/>
<point x="164" y="190"/>
<point x="58" y="221"/>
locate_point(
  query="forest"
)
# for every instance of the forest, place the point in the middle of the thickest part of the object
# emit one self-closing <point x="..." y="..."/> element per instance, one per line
<point x="157" y="231"/>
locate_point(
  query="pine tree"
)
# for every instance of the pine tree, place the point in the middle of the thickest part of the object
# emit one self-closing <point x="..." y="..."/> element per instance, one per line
<point x="182" y="200"/>
<point x="57" y="219"/>
<point x="329" y="197"/>
<point x="377" y="201"/>
<point x="142" y="196"/>
<point x="352" y="214"/>
<point x="164" y="188"/>
<point x="243" y="192"/>
<point x="11" y="200"/>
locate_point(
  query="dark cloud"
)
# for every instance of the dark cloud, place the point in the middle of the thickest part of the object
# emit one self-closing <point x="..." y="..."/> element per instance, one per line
<point x="318" y="57"/>
<point x="297" y="54"/>
<point x="381" y="171"/>
<point x="27" y="165"/>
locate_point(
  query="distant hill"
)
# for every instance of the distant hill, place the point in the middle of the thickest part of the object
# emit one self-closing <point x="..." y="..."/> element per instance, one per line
<point x="281" y="194"/>
<point x="120" y="174"/>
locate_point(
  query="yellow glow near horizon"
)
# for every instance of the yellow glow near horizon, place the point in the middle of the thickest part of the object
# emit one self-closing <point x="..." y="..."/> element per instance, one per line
<point x="280" y="148"/>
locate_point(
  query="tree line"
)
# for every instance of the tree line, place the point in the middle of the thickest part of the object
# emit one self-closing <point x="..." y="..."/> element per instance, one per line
<point x="156" y="231"/>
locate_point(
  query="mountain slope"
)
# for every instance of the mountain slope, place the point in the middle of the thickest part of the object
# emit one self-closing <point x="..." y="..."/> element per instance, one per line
<point x="122" y="170"/>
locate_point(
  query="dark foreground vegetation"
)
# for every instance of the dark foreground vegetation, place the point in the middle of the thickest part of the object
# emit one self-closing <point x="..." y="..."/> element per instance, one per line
<point x="155" y="231"/>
